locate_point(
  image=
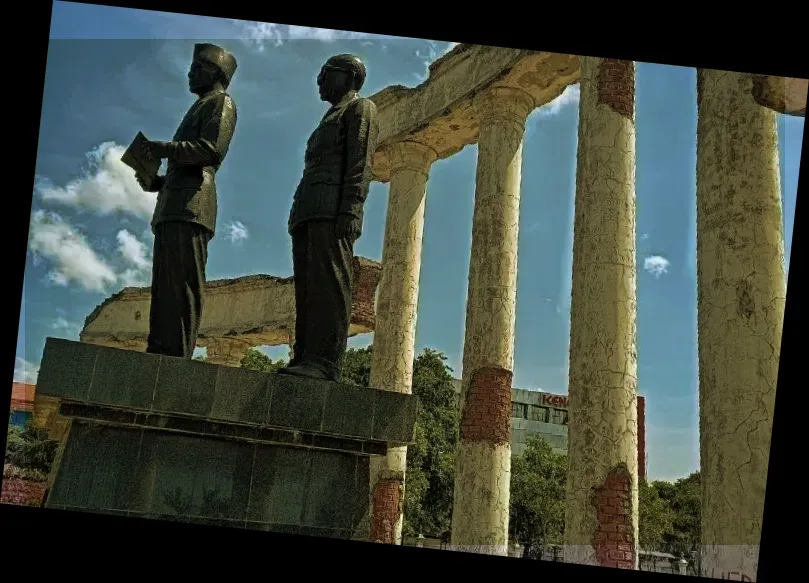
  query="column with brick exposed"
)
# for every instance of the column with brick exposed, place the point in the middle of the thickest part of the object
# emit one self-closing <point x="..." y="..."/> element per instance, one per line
<point x="741" y="293"/>
<point x="483" y="471"/>
<point x="395" y="332"/>
<point x="601" y="519"/>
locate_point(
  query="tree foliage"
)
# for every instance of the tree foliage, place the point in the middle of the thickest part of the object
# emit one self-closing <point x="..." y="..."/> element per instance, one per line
<point x="538" y="481"/>
<point x="30" y="449"/>
<point x="431" y="459"/>
<point x="684" y="498"/>
<point x="655" y="517"/>
<point x="257" y="360"/>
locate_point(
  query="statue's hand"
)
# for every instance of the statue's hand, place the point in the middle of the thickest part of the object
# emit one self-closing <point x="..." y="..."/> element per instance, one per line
<point x="347" y="227"/>
<point x="155" y="150"/>
<point x="155" y="186"/>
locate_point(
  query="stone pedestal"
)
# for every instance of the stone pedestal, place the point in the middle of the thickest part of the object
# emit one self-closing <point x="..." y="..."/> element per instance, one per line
<point x="167" y="438"/>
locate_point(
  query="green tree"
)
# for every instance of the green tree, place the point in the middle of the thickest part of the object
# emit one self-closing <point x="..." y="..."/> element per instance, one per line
<point x="431" y="459"/>
<point x="30" y="449"/>
<point x="257" y="360"/>
<point x="538" y="481"/>
<point x="686" y="506"/>
<point x="655" y="517"/>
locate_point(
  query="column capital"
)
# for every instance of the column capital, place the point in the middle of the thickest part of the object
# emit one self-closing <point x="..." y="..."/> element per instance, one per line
<point x="407" y="155"/>
<point x="503" y="100"/>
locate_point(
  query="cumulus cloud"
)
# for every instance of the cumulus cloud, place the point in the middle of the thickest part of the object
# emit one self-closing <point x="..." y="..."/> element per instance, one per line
<point x="25" y="372"/>
<point x="72" y="257"/>
<point x="237" y="232"/>
<point x="65" y="328"/>
<point x="106" y="187"/>
<point x="135" y="254"/>
<point x="657" y="265"/>
<point x="568" y="97"/>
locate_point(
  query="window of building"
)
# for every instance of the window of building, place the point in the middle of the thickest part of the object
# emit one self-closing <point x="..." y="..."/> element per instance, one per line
<point x="536" y="413"/>
<point x="564" y="417"/>
<point x="518" y="410"/>
<point x="557" y="416"/>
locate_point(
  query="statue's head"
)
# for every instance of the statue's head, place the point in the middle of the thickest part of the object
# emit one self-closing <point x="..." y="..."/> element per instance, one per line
<point x="340" y="74"/>
<point x="211" y="65"/>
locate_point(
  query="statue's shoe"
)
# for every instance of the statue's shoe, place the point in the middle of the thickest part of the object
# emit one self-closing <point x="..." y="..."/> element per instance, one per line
<point x="305" y="370"/>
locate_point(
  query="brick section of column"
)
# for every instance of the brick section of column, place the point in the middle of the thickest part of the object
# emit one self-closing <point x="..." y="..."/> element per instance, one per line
<point x="614" y="540"/>
<point x="387" y="502"/>
<point x="641" y="438"/>
<point x="487" y="414"/>
<point x="616" y="86"/>
<point x="366" y="278"/>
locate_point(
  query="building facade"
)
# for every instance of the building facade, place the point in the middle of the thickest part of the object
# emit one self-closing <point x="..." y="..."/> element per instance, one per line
<point x="546" y="415"/>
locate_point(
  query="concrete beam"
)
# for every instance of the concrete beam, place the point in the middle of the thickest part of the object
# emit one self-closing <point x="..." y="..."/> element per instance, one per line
<point x="439" y="114"/>
<point x="255" y="309"/>
<point x="785" y="95"/>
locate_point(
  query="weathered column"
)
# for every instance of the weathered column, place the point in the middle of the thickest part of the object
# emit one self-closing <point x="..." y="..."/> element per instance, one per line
<point x="226" y="351"/>
<point x="741" y="293"/>
<point x="601" y="519"/>
<point x="395" y="333"/>
<point x="483" y="471"/>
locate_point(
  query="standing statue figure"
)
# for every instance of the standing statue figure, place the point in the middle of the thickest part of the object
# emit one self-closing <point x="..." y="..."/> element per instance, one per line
<point x="326" y="219"/>
<point x="184" y="219"/>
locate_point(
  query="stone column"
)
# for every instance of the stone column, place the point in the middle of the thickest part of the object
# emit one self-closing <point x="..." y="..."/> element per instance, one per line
<point x="601" y="519"/>
<point x="741" y="293"/>
<point x="226" y="351"/>
<point x="395" y="332"/>
<point x="483" y="471"/>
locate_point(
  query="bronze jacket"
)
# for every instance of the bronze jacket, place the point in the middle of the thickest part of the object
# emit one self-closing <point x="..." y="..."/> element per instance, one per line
<point x="338" y="163"/>
<point x="197" y="151"/>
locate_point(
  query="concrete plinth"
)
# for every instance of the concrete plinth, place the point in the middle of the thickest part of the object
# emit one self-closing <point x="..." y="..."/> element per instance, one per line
<point x="162" y="437"/>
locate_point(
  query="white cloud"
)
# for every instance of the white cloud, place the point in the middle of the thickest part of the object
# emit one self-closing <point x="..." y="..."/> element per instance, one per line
<point x="262" y="34"/>
<point x="74" y="261"/>
<point x="65" y="328"/>
<point x="237" y="232"/>
<point x="434" y="51"/>
<point x="569" y="96"/>
<point x="133" y="250"/>
<point x="136" y="254"/>
<point x="656" y="265"/>
<point x="107" y="186"/>
<point x="25" y="372"/>
<point x="644" y="236"/>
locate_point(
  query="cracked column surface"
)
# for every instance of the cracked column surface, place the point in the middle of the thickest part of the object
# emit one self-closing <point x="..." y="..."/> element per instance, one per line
<point x="741" y="293"/>
<point x="395" y="333"/>
<point x="483" y="472"/>
<point x="601" y="518"/>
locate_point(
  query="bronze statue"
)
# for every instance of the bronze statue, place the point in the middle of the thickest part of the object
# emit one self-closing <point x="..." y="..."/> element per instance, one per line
<point x="184" y="219"/>
<point x="326" y="219"/>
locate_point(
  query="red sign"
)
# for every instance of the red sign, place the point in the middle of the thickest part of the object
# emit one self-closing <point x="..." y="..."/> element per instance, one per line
<point x="555" y="400"/>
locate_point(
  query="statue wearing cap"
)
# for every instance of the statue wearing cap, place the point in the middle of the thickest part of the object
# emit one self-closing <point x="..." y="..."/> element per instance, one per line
<point x="326" y="219"/>
<point x="184" y="219"/>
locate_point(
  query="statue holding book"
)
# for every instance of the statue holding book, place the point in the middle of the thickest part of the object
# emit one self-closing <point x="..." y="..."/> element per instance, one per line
<point x="184" y="220"/>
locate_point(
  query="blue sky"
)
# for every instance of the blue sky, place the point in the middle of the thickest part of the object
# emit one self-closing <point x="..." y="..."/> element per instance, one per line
<point x="113" y="71"/>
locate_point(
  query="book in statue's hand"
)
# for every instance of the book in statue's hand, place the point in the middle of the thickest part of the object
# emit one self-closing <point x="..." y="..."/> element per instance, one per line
<point x="144" y="165"/>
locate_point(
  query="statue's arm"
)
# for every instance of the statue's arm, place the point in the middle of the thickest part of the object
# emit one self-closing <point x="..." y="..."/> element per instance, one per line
<point x="362" y="130"/>
<point x="218" y="122"/>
